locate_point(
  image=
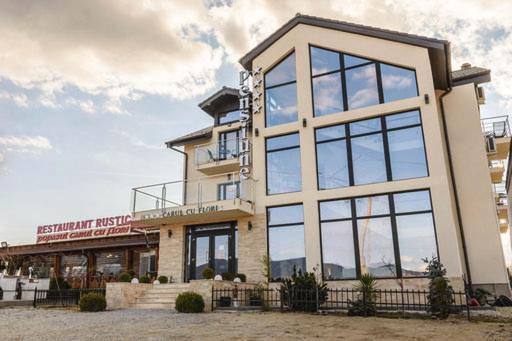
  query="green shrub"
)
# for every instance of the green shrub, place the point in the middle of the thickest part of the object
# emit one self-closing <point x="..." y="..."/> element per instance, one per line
<point x="228" y="276"/>
<point x="300" y="291"/>
<point x="189" y="302"/>
<point x="59" y="284"/>
<point x="92" y="302"/>
<point x="208" y="273"/>
<point x="162" y="279"/>
<point x="365" y="305"/>
<point x="144" y="279"/>
<point x="124" y="277"/>
<point x="441" y="293"/>
<point x="242" y="277"/>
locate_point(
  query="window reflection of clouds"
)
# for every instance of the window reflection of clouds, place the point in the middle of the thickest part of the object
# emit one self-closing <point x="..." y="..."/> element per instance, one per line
<point x="281" y="104"/>
<point x="327" y="94"/>
<point x="282" y="73"/>
<point x="362" y="87"/>
<point x="376" y="247"/>
<point x="283" y="166"/>
<point x="323" y="61"/>
<point x="338" y="250"/>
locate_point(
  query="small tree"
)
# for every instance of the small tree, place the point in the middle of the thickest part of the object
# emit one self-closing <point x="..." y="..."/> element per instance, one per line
<point x="366" y="303"/>
<point x="440" y="297"/>
<point x="266" y="264"/>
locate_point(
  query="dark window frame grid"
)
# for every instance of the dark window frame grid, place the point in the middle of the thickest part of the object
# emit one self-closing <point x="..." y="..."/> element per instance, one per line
<point x="265" y="88"/>
<point x="217" y="118"/>
<point x="222" y="156"/>
<point x="385" y="141"/>
<point x="342" y="71"/>
<point x="222" y="187"/>
<point x="394" y="231"/>
<point x="279" y="150"/>
<point x="268" y="227"/>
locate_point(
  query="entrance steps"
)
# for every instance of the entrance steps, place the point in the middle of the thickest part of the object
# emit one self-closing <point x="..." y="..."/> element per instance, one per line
<point x="162" y="296"/>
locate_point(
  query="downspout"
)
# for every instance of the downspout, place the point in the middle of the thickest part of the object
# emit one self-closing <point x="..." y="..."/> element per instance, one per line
<point x="185" y="171"/>
<point x="452" y="173"/>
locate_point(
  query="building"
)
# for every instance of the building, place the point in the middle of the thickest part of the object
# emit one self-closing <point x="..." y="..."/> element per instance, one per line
<point x="86" y="254"/>
<point x="360" y="150"/>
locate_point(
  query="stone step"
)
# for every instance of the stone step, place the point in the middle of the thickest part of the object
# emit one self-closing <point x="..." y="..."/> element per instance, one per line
<point x="168" y="286"/>
<point x="153" y="306"/>
<point x="154" y="301"/>
<point x="161" y="294"/>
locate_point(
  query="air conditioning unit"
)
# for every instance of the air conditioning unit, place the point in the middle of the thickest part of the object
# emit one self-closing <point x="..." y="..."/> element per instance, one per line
<point x="480" y="95"/>
<point x="490" y="142"/>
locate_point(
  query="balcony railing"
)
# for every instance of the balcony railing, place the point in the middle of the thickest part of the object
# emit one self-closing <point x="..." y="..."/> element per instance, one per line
<point x="215" y="152"/>
<point x="497" y="126"/>
<point x="193" y="193"/>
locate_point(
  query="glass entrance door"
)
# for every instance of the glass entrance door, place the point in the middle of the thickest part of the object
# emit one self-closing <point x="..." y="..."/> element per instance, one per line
<point x="211" y="247"/>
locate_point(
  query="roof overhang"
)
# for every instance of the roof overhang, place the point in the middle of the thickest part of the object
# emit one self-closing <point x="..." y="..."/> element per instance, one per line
<point x="222" y="99"/>
<point x="438" y="50"/>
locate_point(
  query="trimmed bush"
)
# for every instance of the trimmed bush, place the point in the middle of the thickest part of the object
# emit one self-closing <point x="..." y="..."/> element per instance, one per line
<point x="189" y="302"/>
<point x="302" y="290"/>
<point x="162" y="279"/>
<point x="208" y="273"/>
<point x="92" y="302"/>
<point x="228" y="276"/>
<point x="144" y="279"/>
<point x="124" y="277"/>
<point x="242" y="277"/>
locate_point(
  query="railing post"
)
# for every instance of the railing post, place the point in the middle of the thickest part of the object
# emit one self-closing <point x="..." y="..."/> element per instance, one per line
<point x="35" y="297"/>
<point x="164" y="196"/>
<point x="134" y="201"/>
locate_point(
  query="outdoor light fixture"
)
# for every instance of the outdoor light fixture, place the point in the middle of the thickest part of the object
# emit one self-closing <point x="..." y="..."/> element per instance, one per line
<point x="249" y="225"/>
<point x="169" y="233"/>
<point x="256" y="132"/>
<point x="427" y="100"/>
<point x="304" y="123"/>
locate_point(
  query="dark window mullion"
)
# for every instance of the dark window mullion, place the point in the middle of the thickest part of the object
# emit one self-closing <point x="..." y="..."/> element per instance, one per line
<point x="326" y="73"/>
<point x="387" y="156"/>
<point x="343" y="83"/>
<point x="349" y="156"/>
<point x="394" y="231"/>
<point x="356" y="238"/>
<point x="379" y="83"/>
<point x="281" y="84"/>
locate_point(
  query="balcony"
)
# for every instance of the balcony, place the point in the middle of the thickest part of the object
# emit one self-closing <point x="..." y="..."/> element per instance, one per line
<point x="214" y="198"/>
<point x="218" y="157"/>
<point x="497" y="169"/>
<point x="502" y="208"/>
<point x="497" y="137"/>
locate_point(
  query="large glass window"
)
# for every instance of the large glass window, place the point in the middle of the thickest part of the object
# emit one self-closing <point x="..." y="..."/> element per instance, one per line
<point x="281" y="93"/>
<point x="385" y="235"/>
<point x="344" y="82"/>
<point x="371" y="151"/>
<point x="286" y="240"/>
<point x="283" y="164"/>
<point x="228" y="117"/>
<point x="228" y="145"/>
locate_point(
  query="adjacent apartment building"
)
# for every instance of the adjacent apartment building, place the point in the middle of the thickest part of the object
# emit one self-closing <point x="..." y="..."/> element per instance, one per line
<point x="357" y="150"/>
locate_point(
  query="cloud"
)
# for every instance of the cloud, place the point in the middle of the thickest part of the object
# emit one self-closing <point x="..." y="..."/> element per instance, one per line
<point x="134" y="140"/>
<point x="20" y="99"/>
<point x="126" y="49"/>
<point x="25" y="142"/>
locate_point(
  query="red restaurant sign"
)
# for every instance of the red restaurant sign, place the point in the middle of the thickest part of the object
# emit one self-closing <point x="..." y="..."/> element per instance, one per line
<point x="84" y="229"/>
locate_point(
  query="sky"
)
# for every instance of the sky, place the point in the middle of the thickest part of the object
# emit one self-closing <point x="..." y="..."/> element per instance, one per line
<point x="90" y="90"/>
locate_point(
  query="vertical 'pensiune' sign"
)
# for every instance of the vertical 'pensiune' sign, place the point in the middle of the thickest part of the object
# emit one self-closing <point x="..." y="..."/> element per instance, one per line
<point x="246" y="110"/>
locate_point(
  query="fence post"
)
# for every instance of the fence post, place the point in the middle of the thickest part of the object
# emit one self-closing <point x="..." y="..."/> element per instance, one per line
<point x="317" y="303"/>
<point x="35" y="297"/>
<point x="281" y="298"/>
<point x="364" y="303"/>
<point x="467" y="305"/>
<point x="212" y="296"/>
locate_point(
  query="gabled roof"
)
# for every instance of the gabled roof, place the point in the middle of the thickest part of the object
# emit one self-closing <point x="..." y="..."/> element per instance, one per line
<point x="201" y="134"/>
<point x="470" y="74"/>
<point x="220" y="98"/>
<point x="439" y="50"/>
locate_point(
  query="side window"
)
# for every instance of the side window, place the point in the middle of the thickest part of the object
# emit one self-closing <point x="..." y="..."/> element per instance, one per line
<point x="283" y="164"/>
<point x="281" y="93"/>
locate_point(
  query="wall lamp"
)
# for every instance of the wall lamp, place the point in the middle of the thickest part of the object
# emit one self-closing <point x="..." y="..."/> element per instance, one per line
<point x="427" y="99"/>
<point x="169" y="233"/>
<point x="304" y="122"/>
<point x="256" y="132"/>
<point x="249" y="225"/>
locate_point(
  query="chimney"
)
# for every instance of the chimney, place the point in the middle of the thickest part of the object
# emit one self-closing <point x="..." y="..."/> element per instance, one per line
<point x="465" y="66"/>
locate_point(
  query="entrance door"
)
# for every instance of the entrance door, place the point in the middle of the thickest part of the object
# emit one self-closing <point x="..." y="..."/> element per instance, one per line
<point x="211" y="247"/>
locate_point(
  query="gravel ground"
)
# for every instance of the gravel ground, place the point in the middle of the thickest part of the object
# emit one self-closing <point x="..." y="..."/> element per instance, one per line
<point x="60" y="324"/>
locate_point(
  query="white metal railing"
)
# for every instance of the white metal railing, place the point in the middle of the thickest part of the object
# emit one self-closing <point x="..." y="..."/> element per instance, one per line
<point x="497" y="126"/>
<point x="195" y="192"/>
<point x="217" y="151"/>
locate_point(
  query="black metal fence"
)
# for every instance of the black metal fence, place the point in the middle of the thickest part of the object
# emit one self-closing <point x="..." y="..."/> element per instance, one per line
<point x="392" y="300"/>
<point x="64" y="298"/>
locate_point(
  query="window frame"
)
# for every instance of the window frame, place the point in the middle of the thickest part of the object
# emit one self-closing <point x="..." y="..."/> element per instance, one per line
<point x="342" y="70"/>
<point x="222" y="189"/>
<point x="217" y="117"/>
<point x="385" y="142"/>
<point x="394" y="231"/>
<point x="279" y="150"/>
<point x="221" y="139"/>
<point x="265" y="88"/>
<point x="268" y="227"/>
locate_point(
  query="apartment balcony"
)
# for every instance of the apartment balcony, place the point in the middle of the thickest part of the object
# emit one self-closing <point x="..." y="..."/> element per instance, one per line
<point x="214" y="198"/>
<point x="497" y="137"/>
<point x="218" y="157"/>
<point x="497" y="170"/>
<point x="502" y="208"/>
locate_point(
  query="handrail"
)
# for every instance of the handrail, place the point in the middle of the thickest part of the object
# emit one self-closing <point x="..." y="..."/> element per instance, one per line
<point x="186" y="180"/>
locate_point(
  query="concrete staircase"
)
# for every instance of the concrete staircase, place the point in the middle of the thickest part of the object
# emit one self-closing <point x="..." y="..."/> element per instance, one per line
<point x="162" y="296"/>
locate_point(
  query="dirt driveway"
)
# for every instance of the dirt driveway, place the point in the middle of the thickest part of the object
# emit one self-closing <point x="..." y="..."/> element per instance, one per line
<point x="54" y="324"/>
